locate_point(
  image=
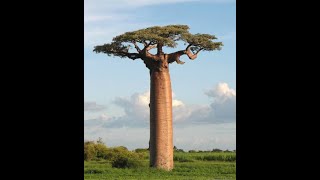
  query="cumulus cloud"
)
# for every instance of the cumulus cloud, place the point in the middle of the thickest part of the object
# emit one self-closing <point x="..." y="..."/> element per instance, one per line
<point x="93" y="107"/>
<point x="222" y="90"/>
<point x="196" y="126"/>
<point x="222" y="109"/>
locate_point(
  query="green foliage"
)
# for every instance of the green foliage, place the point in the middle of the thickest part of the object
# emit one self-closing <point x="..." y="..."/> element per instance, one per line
<point x="216" y="150"/>
<point x="120" y="157"/>
<point x="168" y="36"/>
<point x="94" y="150"/>
<point x="126" y="159"/>
<point x="175" y="149"/>
<point x="101" y="151"/>
<point x="89" y="150"/>
<point x="114" y="48"/>
<point x="182" y="170"/>
<point x="182" y="159"/>
<point x="141" y="150"/>
<point x="125" y="164"/>
<point x="205" y="156"/>
<point x="202" y="41"/>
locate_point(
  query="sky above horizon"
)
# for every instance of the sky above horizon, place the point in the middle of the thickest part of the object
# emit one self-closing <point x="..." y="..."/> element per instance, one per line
<point x="116" y="91"/>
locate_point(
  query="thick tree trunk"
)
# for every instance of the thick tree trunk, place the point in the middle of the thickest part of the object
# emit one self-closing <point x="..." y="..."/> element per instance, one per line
<point x="161" y="140"/>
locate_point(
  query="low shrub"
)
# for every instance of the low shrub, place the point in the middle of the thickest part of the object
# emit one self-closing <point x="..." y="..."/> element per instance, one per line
<point x="126" y="160"/>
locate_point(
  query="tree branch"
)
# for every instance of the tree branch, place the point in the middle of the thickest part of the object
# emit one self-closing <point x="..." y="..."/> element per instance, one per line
<point x="175" y="57"/>
<point x="188" y="46"/>
<point x="132" y="56"/>
<point x="151" y="47"/>
<point x="145" y="43"/>
<point x="159" y="48"/>
<point x="136" y="46"/>
<point x="190" y="54"/>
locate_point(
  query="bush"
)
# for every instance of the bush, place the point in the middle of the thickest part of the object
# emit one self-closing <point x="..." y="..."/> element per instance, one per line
<point x="126" y="160"/>
<point x="216" y="150"/>
<point x="140" y="150"/>
<point x="89" y="150"/>
<point x="95" y="151"/>
<point x="111" y="153"/>
<point x="101" y="151"/>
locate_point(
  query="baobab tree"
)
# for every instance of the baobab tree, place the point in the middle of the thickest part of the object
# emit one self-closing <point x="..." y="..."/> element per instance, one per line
<point x="143" y="40"/>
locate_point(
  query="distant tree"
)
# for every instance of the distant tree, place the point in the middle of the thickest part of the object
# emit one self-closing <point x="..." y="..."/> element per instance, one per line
<point x="99" y="141"/>
<point x="192" y="151"/>
<point x="216" y="150"/>
<point x="180" y="150"/>
<point x="89" y="150"/>
<point x="139" y="150"/>
<point x="175" y="148"/>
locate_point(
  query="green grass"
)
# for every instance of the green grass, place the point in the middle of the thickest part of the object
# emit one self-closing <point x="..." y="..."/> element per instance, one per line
<point x="187" y="166"/>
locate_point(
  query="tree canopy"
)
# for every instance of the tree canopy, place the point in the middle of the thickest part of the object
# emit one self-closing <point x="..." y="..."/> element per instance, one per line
<point x="158" y="37"/>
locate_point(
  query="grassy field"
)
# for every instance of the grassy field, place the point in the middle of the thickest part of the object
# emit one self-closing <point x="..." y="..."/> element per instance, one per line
<point x="207" y="165"/>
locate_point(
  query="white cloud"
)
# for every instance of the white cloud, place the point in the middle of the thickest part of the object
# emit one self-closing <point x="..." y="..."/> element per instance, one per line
<point x="195" y="126"/>
<point x="222" y="109"/>
<point x="136" y="106"/>
<point x="93" y="107"/>
<point x="221" y="92"/>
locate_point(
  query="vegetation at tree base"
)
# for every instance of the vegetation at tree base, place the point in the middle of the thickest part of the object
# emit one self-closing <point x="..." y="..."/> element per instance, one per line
<point x="102" y="162"/>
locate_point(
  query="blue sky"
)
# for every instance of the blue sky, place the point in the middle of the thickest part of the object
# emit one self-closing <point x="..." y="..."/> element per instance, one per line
<point x="116" y="90"/>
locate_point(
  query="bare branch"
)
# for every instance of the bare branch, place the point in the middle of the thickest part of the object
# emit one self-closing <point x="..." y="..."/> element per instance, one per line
<point x="159" y="48"/>
<point x="190" y="55"/>
<point x="151" y="47"/>
<point x="188" y="46"/>
<point x="136" y="46"/>
<point x="151" y="56"/>
<point x="145" y="43"/>
<point x="175" y="57"/>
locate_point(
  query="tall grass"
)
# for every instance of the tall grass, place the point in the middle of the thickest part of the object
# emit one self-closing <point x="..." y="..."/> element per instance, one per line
<point x="182" y="171"/>
<point x="206" y="156"/>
